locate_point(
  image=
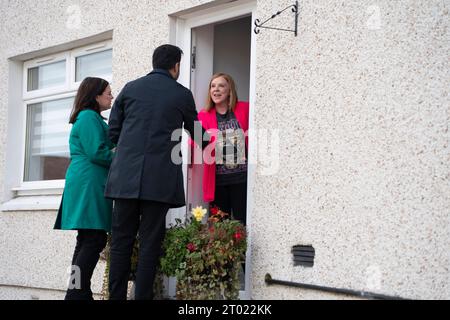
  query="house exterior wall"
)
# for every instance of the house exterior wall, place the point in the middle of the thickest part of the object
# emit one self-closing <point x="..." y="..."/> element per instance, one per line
<point x="360" y="102"/>
<point x="364" y="111"/>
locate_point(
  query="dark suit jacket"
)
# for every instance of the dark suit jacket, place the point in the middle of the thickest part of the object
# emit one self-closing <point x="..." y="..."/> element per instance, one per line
<point x="142" y="121"/>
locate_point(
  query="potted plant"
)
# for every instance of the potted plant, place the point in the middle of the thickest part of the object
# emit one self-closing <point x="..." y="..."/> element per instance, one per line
<point x="205" y="258"/>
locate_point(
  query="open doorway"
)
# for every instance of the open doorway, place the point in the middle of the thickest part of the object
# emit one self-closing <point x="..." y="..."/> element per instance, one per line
<point x="219" y="47"/>
<point x="217" y="37"/>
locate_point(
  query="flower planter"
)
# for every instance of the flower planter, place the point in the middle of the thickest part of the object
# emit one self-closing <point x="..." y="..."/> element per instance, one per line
<point x="210" y="287"/>
<point x="205" y="258"/>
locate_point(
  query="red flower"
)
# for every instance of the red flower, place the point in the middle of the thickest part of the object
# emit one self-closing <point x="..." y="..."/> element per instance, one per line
<point x="191" y="247"/>
<point x="214" y="211"/>
<point x="238" y="236"/>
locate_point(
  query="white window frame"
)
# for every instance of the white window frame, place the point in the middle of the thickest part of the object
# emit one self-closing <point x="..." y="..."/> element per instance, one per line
<point x="43" y="61"/>
<point x="80" y="52"/>
<point x="32" y="185"/>
<point x="68" y="90"/>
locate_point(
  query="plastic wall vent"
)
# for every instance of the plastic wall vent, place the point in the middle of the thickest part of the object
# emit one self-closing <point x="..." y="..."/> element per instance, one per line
<point x="304" y="256"/>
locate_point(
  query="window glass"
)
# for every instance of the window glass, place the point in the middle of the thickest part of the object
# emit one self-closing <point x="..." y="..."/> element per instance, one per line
<point x="97" y="64"/>
<point x="47" y="76"/>
<point x="47" y="145"/>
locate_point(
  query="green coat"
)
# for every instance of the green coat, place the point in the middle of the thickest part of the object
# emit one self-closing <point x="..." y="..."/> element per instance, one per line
<point x="83" y="205"/>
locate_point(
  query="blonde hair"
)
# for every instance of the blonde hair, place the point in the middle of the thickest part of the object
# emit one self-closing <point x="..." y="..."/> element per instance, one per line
<point x="232" y="100"/>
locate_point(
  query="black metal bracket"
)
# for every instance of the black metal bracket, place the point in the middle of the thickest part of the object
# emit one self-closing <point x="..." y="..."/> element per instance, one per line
<point x="361" y="294"/>
<point x="294" y="8"/>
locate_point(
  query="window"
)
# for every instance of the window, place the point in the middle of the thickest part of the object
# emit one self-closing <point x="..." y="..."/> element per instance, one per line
<point x="95" y="63"/>
<point x="50" y="87"/>
<point x="46" y="76"/>
<point x="46" y="149"/>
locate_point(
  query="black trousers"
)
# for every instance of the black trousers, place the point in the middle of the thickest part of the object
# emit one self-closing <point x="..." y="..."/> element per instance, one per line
<point x="232" y="199"/>
<point x="90" y="243"/>
<point x="130" y="217"/>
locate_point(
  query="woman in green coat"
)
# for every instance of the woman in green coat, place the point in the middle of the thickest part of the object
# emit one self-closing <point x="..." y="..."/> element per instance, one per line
<point x="83" y="207"/>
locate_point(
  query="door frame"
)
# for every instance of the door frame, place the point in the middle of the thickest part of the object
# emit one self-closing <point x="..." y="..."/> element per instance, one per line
<point x="181" y="32"/>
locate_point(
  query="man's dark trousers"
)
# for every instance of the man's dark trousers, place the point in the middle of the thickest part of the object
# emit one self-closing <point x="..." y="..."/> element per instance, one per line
<point x="130" y="217"/>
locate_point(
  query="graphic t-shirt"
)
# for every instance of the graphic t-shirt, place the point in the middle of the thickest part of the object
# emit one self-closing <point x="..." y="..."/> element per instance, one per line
<point x="231" y="158"/>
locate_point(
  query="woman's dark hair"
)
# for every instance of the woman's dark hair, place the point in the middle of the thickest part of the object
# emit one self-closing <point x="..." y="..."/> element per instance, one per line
<point x="166" y="57"/>
<point x="89" y="89"/>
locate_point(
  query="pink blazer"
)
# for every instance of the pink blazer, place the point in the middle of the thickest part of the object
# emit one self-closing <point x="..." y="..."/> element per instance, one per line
<point x="209" y="122"/>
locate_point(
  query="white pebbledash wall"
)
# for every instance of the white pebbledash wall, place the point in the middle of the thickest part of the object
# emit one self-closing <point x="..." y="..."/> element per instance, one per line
<point x="360" y="101"/>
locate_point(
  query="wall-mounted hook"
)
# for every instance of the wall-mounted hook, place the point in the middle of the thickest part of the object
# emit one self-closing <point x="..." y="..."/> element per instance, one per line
<point x="294" y="8"/>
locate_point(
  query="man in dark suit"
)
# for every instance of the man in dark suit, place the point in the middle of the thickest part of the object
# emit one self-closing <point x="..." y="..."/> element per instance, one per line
<point x="144" y="180"/>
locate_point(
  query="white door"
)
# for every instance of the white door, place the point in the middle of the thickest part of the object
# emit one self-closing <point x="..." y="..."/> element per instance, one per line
<point x="202" y="51"/>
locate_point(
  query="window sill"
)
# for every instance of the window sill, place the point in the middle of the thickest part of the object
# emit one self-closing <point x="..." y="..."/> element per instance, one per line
<point x="32" y="203"/>
<point x="38" y="198"/>
<point x="42" y="190"/>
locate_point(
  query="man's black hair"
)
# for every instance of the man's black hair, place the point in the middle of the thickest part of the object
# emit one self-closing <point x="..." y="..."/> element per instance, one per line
<point x="166" y="57"/>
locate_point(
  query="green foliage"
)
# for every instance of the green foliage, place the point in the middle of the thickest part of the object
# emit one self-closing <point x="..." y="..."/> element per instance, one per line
<point x="174" y="246"/>
<point x="205" y="258"/>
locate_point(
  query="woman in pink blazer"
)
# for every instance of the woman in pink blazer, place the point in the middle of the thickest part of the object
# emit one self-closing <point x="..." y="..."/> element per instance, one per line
<point x="225" y="159"/>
